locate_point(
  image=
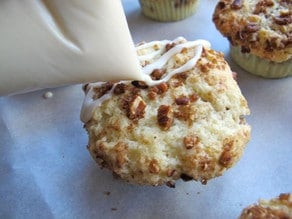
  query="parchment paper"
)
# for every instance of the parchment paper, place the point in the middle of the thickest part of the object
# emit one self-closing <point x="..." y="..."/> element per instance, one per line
<point x="46" y="171"/>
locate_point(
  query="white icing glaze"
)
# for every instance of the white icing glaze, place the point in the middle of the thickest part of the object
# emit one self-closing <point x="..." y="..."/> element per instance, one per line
<point x="150" y="44"/>
<point x="89" y="104"/>
<point x="192" y="62"/>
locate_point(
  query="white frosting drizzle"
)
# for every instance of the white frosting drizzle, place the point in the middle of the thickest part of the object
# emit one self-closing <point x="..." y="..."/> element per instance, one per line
<point x="187" y="66"/>
<point x="89" y="104"/>
<point x="150" y="44"/>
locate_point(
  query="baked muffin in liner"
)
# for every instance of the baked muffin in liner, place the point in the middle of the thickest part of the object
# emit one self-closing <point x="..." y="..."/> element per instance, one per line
<point x="260" y="66"/>
<point x="260" y="34"/>
<point x="168" y="10"/>
<point x="186" y="123"/>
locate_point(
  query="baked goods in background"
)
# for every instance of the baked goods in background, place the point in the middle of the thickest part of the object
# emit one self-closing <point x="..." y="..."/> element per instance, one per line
<point x="168" y="10"/>
<point x="276" y="208"/>
<point x="260" y="34"/>
<point x="188" y="123"/>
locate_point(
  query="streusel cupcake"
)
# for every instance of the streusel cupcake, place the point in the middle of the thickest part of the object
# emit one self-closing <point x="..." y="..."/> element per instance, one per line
<point x="187" y="122"/>
<point x="276" y="208"/>
<point x="168" y="10"/>
<point x="260" y="34"/>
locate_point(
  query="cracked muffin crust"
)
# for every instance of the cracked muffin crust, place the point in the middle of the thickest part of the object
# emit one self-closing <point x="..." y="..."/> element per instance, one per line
<point x="190" y="125"/>
<point x="260" y="28"/>
<point x="277" y="208"/>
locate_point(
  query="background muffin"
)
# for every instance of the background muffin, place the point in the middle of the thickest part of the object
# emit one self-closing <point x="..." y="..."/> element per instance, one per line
<point x="188" y="126"/>
<point x="260" y="33"/>
<point x="277" y="208"/>
<point x="168" y="10"/>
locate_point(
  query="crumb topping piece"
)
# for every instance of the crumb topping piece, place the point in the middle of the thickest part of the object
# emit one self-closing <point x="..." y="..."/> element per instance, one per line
<point x="165" y="117"/>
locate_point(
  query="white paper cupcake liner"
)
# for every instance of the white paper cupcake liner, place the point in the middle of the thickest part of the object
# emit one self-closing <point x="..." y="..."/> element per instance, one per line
<point x="168" y="10"/>
<point x="259" y="66"/>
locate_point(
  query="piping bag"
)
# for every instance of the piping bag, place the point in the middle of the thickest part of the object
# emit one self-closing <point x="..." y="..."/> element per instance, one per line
<point x="51" y="43"/>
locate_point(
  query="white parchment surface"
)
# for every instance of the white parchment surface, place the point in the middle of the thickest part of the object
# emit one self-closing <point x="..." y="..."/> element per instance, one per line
<point x="46" y="171"/>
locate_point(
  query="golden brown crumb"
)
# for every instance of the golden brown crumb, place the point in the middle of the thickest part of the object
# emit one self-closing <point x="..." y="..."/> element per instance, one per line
<point x="277" y="208"/>
<point x="164" y="117"/>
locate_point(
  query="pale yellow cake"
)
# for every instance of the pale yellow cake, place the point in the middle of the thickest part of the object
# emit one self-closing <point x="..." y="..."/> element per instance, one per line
<point x="188" y="125"/>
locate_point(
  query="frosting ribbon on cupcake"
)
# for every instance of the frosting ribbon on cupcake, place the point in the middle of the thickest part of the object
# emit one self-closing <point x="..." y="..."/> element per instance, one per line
<point x="160" y="56"/>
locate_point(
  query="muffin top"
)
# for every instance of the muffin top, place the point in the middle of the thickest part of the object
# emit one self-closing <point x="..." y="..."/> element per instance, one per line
<point x="259" y="27"/>
<point x="189" y="123"/>
<point x="277" y="208"/>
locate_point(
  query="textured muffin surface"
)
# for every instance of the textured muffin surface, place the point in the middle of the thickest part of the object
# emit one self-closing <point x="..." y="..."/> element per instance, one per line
<point x="191" y="126"/>
<point x="259" y="27"/>
<point x="277" y="208"/>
